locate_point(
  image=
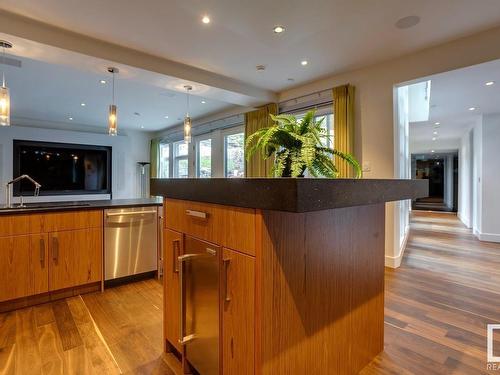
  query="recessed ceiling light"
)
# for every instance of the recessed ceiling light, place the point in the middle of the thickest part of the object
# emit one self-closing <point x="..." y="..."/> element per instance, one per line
<point x="490" y="83"/>
<point x="304" y="62"/>
<point x="433" y="138"/>
<point x="435" y="132"/>
<point x="205" y="19"/>
<point x="472" y="108"/>
<point x="102" y="81"/>
<point x="166" y="116"/>
<point x="437" y="123"/>
<point x="142" y="126"/>
<point x="433" y="151"/>
<point x="203" y="102"/>
<point x="407" y="22"/>
<point x="278" y="29"/>
<point x="70" y="118"/>
<point x="83" y="104"/>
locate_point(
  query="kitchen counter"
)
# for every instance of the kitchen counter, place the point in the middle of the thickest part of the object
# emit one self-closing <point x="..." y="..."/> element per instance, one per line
<point x="289" y="194"/>
<point x="301" y="265"/>
<point x="80" y="205"/>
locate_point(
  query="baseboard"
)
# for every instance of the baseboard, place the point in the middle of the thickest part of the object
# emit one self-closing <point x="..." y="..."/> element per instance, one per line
<point x="395" y="262"/>
<point x="487" y="237"/>
<point x="466" y="222"/>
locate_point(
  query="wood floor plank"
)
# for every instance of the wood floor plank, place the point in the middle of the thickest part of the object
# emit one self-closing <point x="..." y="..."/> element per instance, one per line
<point x="70" y="337"/>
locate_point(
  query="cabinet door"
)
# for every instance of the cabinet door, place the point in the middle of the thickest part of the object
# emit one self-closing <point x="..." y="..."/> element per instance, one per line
<point x="173" y="245"/>
<point x="23" y="266"/>
<point x="75" y="258"/>
<point x="238" y="301"/>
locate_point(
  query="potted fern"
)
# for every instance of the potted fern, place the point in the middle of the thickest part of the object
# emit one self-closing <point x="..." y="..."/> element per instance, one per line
<point x="298" y="145"/>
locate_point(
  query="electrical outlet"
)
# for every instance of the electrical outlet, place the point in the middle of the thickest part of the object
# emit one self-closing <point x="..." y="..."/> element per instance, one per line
<point x="367" y="166"/>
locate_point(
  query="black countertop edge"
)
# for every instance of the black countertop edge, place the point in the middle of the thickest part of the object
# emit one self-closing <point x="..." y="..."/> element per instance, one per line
<point x="290" y="194"/>
<point x="80" y="205"/>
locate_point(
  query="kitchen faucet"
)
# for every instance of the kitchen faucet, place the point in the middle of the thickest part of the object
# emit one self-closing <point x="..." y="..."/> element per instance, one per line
<point x="8" y="187"/>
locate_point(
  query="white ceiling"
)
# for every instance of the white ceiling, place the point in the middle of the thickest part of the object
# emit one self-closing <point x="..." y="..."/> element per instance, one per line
<point x="452" y="94"/>
<point x="48" y="94"/>
<point x="333" y="35"/>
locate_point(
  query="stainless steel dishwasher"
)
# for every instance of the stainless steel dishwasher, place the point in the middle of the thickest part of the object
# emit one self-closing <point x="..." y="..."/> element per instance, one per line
<point x="130" y="242"/>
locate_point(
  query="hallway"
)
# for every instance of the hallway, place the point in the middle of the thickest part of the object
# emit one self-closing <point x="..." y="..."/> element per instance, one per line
<point x="440" y="300"/>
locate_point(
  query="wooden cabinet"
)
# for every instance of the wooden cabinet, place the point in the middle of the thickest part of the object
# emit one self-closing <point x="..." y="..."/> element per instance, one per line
<point x="23" y="266"/>
<point x="41" y="253"/>
<point x="173" y="245"/>
<point x="238" y="313"/>
<point x="75" y="258"/>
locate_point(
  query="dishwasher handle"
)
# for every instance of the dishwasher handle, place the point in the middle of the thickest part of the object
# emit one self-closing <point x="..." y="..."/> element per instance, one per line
<point x="130" y="213"/>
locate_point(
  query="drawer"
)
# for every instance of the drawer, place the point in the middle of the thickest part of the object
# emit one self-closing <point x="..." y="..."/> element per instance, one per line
<point x="14" y="225"/>
<point x="21" y="224"/>
<point x="72" y="220"/>
<point x="232" y="227"/>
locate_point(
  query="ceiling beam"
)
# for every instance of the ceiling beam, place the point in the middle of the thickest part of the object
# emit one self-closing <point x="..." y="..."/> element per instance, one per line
<point x="229" y="89"/>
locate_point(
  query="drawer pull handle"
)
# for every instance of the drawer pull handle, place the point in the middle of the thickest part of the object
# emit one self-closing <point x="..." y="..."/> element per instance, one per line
<point x="227" y="297"/>
<point x="197" y="214"/>
<point x="176" y="252"/>
<point x="55" y="249"/>
<point x="42" y="252"/>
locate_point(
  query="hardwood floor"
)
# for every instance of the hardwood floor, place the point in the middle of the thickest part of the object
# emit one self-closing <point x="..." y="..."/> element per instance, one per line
<point x="439" y="301"/>
<point x="115" y="332"/>
<point x="437" y="306"/>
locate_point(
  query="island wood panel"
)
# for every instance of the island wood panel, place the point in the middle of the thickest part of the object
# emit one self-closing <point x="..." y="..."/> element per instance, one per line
<point x="75" y="258"/>
<point x="238" y="313"/>
<point x="23" y="266"/>
<point x="13" y="225"/>
<point x="173" y="247"/>
<point x="231" y="227"/>
<point x="321" y="294"/>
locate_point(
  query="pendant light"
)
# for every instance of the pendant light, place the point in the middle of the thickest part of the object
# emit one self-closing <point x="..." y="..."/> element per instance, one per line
<point x="4" y="90"/>
<point x="112" y="116"/>
<point x="187" y="119"/>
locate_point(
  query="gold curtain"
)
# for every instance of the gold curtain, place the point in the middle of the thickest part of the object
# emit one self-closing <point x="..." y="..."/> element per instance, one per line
<point x="154" y="157"/>
<point x="343" y="130"/>
<point x="257" y="166"/>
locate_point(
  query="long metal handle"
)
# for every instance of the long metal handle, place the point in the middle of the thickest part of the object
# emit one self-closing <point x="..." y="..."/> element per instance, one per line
<point x="55" y="249"/>
<point x="197" y="214"/>
<point x="42" y="252"/>
<point x="132" y="213"/>
<point x="226" y="262"/>
<point x="183" y="259"/>
<point x="176" y="244"/>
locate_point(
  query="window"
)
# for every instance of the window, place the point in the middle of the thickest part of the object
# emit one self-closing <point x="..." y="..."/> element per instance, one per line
<point x="234" y="155"/>
<point x="164" y="162"/>
<point x="181" y="163"/>
<point x="327" y="124"/>
<point x="204" y="158"/>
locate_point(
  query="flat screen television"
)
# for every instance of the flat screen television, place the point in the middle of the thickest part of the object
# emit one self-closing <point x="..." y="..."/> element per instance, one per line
<point x="62" y="168"/>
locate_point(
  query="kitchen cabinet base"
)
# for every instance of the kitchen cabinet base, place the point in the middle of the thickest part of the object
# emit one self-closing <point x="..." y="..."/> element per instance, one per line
<point x="21" y="303"/>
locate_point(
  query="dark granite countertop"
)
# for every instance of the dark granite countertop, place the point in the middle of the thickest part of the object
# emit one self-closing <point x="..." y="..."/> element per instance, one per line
<point x="80" y="205"/>
<point x="290" y="194"/>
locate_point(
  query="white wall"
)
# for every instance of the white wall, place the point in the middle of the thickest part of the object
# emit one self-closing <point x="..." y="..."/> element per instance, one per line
<point x="477" y="166"/>
<point x="127" y="151"/>
<point x="374" y="100"/>
<point x="488" y="228"/>
<point x="465" y="179"/>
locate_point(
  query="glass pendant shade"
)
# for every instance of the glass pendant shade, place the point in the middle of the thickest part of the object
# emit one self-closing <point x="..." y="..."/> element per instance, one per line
<point x="4" y="106"/>
<point x="187" y="129"/>
<point x="112" y="120"/>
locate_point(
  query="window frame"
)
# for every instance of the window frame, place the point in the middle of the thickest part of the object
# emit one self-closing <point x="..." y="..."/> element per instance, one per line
<point x="169" y="168"/>
<point x="177" y="158"/>
<point x="225" y="133"/>
<point x="196" y="152"/>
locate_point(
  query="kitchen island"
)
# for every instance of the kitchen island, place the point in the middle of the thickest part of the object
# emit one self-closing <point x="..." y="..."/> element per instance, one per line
<point x="298" y="272"/>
